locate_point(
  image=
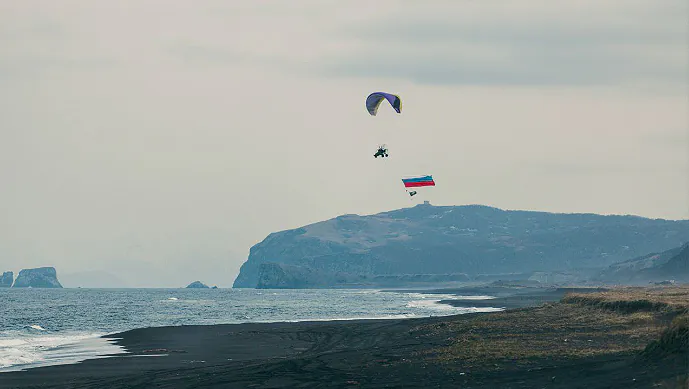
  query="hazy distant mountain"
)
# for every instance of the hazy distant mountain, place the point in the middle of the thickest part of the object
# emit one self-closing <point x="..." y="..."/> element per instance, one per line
<point x="93" y="279"/>
<point x="672" y="264"/>
<point x="428" y="240"/>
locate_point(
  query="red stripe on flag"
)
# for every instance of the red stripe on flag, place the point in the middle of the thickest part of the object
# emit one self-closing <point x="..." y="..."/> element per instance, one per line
<point x="418" y="183"/>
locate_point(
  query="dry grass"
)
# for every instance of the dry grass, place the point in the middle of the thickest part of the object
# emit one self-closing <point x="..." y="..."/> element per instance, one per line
<point x="674" y="299"/>
<point x="582" y="325"/>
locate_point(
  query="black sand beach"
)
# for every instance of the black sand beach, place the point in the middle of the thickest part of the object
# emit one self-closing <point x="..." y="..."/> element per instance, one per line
<point x="626" y="338"/>
<point x="507" y="296"/>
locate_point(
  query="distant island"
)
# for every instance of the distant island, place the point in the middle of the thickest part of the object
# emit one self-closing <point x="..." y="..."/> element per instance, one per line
<point x="42" y="277"/>
<point x="429" y="244"/>
<point x="197" y="285"/>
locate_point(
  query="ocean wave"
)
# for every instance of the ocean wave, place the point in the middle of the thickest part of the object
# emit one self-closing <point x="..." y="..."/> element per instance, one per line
<point x="435" y="304"/>
<point x="430" y="304"/>
<point x="438" y="296"/>
<point x="365" y="291"/>
<point x="20" y="351"/>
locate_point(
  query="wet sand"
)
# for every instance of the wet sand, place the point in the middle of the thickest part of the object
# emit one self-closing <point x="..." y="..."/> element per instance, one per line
<point x="576" y="343"/>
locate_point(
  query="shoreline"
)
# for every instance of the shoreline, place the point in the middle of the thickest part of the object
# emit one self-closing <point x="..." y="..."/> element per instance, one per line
<point x="593" y="340"/>
<point x="70" y="347"/>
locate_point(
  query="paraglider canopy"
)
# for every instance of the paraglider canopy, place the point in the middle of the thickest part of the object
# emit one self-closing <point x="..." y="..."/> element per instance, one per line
<point x="374" y="99"/>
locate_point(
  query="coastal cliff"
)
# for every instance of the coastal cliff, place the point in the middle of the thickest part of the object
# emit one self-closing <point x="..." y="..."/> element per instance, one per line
<point x="428" y="241"/>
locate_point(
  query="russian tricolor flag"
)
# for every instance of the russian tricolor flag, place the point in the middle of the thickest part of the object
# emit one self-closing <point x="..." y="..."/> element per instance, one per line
<point x="418" y="181"/>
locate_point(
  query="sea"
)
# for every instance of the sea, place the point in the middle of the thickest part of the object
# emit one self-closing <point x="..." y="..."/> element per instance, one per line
<point x="42" y="327"/>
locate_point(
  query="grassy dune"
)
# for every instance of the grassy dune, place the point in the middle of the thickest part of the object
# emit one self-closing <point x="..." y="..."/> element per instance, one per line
<point x="648" y="324"/>
<point x="673" y="299"/>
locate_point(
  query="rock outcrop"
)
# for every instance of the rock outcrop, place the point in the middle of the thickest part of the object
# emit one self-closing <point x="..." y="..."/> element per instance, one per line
<point x="425" y="240"/>
<point x="42" y="277"/>
<point x="197" y="285"/>
<point x="6" y="279"/>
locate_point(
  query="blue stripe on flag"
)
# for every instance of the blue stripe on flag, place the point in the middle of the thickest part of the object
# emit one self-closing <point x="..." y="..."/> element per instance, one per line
<point x="418" y="179"/>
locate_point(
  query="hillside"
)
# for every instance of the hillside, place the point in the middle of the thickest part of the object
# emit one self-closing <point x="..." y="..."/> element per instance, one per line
<point x="671" y="264"/>
<point x="677" y="267"/>
<point x="425" y="241"/>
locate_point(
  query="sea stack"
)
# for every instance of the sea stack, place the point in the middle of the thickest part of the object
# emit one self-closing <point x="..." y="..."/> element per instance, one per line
<point x="197" y="285"/>
<point x="42" y="277"/>
<point x="6" y="279"/>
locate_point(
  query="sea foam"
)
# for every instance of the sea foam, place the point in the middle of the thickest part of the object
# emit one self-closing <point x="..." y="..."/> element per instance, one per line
<point x="20" y="351"/>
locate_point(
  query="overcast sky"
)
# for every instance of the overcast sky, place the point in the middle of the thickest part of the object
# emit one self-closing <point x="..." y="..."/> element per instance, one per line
<point x="160" y="140"/>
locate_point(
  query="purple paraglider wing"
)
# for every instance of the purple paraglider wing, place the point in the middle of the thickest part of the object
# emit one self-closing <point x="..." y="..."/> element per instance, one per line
<point x="374" y="99"/>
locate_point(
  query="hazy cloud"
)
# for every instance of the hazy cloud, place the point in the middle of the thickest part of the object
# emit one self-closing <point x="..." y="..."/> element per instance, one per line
<point x="518" y="43"/>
